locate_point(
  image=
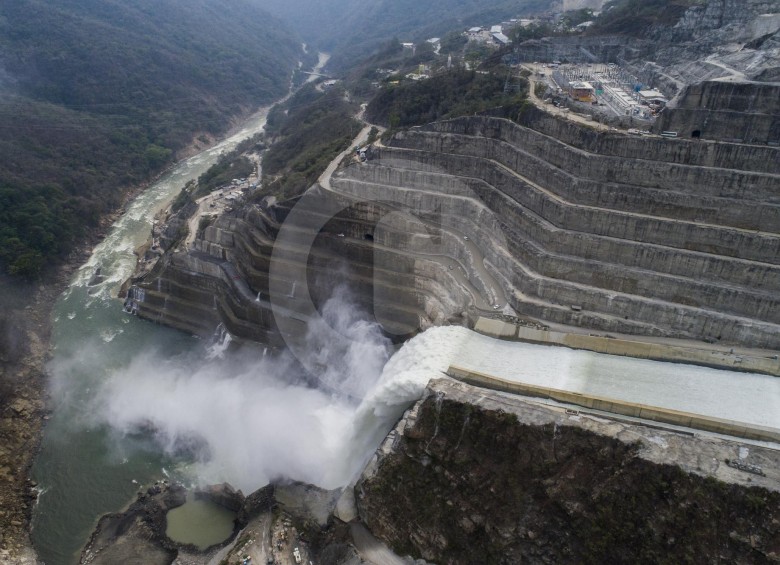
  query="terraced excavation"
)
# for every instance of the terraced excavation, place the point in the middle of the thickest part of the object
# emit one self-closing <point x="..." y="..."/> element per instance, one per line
<point x="458" y="219"/>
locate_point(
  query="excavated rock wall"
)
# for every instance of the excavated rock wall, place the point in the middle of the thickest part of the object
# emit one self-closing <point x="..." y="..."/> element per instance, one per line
<point x="736" y="156"/>
<point x="742" y="112"/>
<point x="643" y="235"/>
<point x="737" y="20"/>
<point x="224" y="279"/>
<point x="512" y="481"/>
<point x="641" y="244"/>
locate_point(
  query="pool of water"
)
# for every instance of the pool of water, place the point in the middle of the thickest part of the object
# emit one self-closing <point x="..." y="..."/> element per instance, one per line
<point x="200" y="523"/>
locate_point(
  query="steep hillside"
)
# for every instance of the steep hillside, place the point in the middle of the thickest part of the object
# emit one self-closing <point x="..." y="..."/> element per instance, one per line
<point x="101" y="94"/>
<point x="638" y="17"/>
<point x="456" y="93"/>
<point x="348" y="27"/>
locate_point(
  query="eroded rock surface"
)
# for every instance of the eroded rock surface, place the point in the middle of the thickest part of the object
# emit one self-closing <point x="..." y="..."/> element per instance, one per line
<point x="505" y="480"/>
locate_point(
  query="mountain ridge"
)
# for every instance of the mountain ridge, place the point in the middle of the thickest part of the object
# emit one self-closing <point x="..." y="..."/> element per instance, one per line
<point x="101" y="94"/>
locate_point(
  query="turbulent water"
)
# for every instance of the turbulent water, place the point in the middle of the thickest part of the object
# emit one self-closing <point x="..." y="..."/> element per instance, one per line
<point x="84" y="468"/>
<point x="135" y="402"/>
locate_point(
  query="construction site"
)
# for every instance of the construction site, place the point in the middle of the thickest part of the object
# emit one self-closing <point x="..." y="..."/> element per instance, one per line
<point x="604" y="90"/>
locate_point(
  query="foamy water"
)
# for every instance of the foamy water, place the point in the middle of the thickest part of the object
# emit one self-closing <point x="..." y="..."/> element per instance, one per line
<point x="86" y="469"/>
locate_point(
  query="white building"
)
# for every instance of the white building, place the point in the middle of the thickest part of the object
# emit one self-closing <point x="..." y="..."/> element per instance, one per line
<point x="501" y="39"/>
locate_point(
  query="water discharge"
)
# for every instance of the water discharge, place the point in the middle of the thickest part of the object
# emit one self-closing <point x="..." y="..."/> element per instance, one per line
<point x="85" y="469"/>
<point x="134" y="400"/>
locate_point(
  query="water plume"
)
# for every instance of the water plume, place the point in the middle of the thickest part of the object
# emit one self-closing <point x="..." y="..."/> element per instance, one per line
<point x="247" y="418"/>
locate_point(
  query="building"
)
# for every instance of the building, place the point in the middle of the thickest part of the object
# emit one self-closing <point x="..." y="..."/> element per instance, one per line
<point x="480" y="34"/>
<point x="582" y="91"/>
<point x="500" y="39"/>
<point x="652" y="97"/>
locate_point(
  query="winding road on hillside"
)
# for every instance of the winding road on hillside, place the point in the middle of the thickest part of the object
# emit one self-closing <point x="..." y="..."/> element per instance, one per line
<point x="468" y="276"/>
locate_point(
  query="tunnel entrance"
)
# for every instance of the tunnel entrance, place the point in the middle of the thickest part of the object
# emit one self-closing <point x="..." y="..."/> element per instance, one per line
<point x="696" y="134"/>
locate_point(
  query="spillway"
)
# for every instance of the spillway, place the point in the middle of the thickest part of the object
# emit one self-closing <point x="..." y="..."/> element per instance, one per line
<point x="745" y="397"/>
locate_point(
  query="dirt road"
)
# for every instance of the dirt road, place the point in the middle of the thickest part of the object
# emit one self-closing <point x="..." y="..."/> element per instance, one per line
<point x="549" y="108"/>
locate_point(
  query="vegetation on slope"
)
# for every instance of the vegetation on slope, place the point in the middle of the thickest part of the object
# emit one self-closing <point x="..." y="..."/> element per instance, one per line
<point x="637" y="17"/>
<point x="450" y="94"/>
<point x="99" y="95"/>
<point x="308" y="132"/>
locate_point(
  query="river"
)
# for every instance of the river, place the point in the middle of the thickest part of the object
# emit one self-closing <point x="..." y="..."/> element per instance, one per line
<point x="135" y="402"/>
<point x="84" y="469"/>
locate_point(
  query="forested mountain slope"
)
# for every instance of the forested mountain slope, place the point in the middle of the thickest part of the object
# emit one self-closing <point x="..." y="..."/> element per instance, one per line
<point x="352" y="28"/>
<point x="97" y="95"/>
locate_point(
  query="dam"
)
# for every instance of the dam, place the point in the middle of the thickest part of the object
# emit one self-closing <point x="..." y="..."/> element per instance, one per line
<point x="442" y="225"/>
<point x="544" y="222"/>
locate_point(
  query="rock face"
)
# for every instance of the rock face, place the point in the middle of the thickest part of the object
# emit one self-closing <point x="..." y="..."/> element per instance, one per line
<point x="138" y="535"/>
<point x="648" y="236"/>
<point x="227" y="277"/>
<point x="726" y="110"/>
<point x="510" y="481"/>
<point x="719" y="52"/>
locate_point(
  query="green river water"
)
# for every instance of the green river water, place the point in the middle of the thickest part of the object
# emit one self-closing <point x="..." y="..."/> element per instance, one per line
<point x="83" y="469"/>
<point x="199" y="522"/>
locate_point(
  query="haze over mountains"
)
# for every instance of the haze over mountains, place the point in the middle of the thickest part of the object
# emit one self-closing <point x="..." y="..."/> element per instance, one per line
<point x="98" y="95"/>
<point x="351" y="28"/>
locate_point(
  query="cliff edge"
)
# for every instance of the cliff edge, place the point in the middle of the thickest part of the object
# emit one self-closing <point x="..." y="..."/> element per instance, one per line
<point x="507" y="480"/>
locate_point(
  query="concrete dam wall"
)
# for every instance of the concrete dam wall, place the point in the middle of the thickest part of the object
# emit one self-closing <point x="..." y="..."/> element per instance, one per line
<point x="453" y="220"/>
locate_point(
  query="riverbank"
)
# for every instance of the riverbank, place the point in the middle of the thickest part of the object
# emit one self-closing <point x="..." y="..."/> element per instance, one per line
<point x="24" y="406"/>
<point x="24" y="409"/>
<point x="106" y="250"/>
